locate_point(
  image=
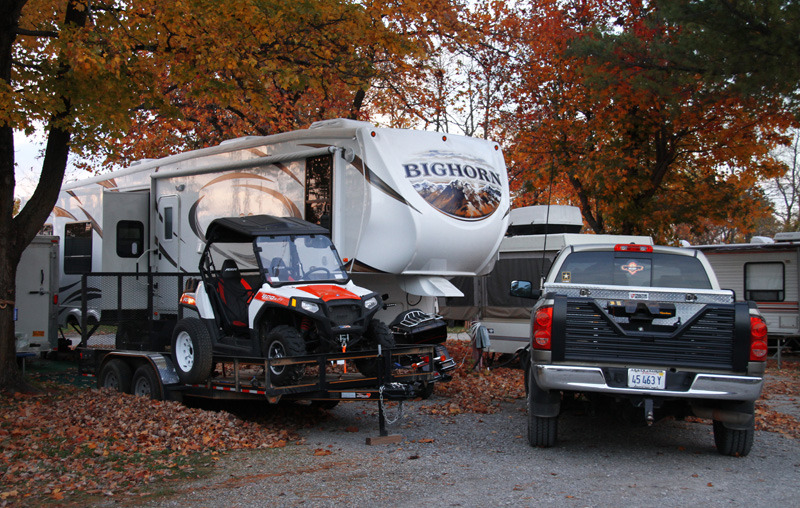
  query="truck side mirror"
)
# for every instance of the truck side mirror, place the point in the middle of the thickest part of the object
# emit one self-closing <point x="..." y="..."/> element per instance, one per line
<point x="524" y="289"/>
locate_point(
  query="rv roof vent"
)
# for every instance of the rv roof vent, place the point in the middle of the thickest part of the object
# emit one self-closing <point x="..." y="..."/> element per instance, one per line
<point x="140" y="161"/>
<point x="790" y="236"/>
<point x="761" y="240"/>
<point x="338" y="123"/>
<point x="236" y="140"/>
<point x="531" y="220"/>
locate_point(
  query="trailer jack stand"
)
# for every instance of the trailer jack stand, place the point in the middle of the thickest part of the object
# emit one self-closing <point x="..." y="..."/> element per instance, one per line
<point x="383" y="437"/>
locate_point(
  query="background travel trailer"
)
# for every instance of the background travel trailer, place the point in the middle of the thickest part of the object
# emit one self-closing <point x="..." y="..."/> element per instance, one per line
<point x="406" y="209"/>
<point x="765" y="271"/>
<point x="526" y="253"/>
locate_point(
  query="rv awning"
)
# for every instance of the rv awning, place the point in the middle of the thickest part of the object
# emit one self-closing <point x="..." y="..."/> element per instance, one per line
<point x="428" y="286"/>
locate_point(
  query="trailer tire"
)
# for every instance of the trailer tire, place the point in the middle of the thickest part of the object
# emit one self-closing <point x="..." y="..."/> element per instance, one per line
<point x="377" y="334"/>
<point x="146" y="384"/>
<point x="116" y="375"/>
<point x="733" y="442"/>
<point x="284" y="341"/>
<point x="192" y="351"/>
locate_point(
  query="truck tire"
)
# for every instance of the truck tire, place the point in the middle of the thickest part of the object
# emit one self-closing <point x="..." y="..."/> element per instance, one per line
<point x="377" y="334"/>
<point x="542" y="430"/>
<point x="284" y="341"/>
<point x="191" y="349"/>
<point x="116" y="375"/>
<point x="146" y="384"/>
<point x="733" y="442"/>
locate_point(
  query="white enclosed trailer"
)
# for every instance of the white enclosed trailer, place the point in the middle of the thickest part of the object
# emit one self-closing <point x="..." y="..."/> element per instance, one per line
<point x="764" y="271"/>
<point x="406" y="209"/>
<point x="35" y="312"/>
<point x="535" y="235"/>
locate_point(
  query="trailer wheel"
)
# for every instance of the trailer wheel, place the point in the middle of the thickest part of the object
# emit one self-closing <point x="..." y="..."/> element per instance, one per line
<point x="191" y="349"/>
<point x="377" y="334"/>
<point x="116" y="374"/>
<point x="733" y="442"/>
<point x="146" y="384"/>
<point x="281" y="342"/>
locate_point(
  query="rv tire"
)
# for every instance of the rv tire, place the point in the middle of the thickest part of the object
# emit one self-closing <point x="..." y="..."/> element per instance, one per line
<point x="116" y="375"/>
<point x="191" y="350"/>
<point x="283" y="341"/>
<point x="377" y="334"/>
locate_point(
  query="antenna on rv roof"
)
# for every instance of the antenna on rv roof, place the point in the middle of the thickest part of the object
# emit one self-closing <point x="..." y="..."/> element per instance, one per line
<point x="547" y="223"/>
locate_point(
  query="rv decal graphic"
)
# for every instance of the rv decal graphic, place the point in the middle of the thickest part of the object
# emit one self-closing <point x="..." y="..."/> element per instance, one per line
<point x="95" y="226"/>
<point x="462" y="188"/>
<point x="60" y="212"/>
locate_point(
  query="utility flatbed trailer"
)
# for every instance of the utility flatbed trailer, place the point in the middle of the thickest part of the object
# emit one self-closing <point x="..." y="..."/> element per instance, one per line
<point x="404" y="373"/>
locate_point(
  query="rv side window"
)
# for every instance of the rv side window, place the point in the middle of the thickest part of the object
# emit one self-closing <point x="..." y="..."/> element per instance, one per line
<point x="168" y="223"/>
<point x="78" y="247"/>
<point x="130" y="238"/>
<point x="764" y="282"/>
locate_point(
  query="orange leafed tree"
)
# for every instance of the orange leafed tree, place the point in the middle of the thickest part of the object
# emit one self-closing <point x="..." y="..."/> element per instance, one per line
<point x="641" y="146"/>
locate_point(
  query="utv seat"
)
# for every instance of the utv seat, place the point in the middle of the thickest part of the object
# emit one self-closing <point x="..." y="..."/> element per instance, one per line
<point x="235" y="294"/>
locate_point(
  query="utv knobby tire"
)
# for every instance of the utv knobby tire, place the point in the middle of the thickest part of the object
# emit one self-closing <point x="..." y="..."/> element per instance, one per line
<point x="116" y="375"/>
<point x="542" y="430"/>
<point x="733" y="442"/>
<point x="280" y="342"/>
<point x="146" y="384"/>
<point x="192" y="350"/>
<point x="377" y="334"/>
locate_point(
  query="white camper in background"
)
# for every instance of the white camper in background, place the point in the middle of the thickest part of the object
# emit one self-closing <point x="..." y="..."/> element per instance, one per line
<point x="35" y="314"/>
<point x="535" y="235"/>
<point x="764" y="271"/>
<point x="406" y="209"/>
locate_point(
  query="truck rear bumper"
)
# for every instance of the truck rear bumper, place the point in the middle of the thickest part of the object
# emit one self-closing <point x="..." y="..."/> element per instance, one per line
<point x="592" y="379"/>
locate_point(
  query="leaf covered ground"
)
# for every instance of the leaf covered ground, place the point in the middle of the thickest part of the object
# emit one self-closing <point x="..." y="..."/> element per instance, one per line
<point x="68" y="444"/>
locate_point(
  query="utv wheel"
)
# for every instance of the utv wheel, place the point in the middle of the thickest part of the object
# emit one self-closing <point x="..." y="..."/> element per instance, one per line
<point x="542" y="430"/>
<point x="733" y="442"/>
<point x="377" y="334"/>
<point x="115" y="375"/>
<point x="427" y="391"/>
<point x="284" y="341"/>
<point x="191" y="349"/>
<point x="145" y="383"/>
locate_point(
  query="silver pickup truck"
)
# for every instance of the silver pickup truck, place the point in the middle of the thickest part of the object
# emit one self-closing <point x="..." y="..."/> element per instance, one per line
<point x="646" y="326"/>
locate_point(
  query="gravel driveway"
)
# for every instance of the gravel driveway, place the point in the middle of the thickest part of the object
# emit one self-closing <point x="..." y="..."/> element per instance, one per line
<point x="483" y="460"/>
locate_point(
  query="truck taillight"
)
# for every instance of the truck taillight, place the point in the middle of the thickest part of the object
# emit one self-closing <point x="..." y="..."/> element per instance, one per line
<point x="758" y="339"/>
<point x="543" y="328"/>
<point x="633" y="247"/>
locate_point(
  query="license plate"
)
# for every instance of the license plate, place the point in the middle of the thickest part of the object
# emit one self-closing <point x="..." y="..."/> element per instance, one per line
<point x="644" y="378"/>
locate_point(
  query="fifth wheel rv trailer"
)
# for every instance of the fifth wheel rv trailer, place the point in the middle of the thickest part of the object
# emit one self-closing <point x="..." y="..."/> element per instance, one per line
<point x="535" y="235"/>
<point x="406" y="210"/>
<point x="765" y="271"/>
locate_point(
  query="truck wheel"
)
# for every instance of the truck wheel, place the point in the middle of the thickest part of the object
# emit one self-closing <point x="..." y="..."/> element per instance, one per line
<point x="542" y="430"/>
<point x="191" y="349"/>
<point x="116" y="375"/>
<point x="146" y="384"/>
<point x="325" y="404"/>
<point x="377" y="334"/>
<point x="733" y="442"/>
<point x="284" y="341"/>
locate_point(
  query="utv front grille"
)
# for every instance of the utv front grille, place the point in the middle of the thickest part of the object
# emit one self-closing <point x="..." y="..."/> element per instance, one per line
<point x="341" y="315"/>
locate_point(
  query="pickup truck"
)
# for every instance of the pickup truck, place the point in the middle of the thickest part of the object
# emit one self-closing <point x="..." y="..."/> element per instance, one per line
<point x="648" y="327"/>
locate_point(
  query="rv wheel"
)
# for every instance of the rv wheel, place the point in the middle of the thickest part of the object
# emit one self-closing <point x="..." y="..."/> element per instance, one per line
<point x="378" y="334"/>
<point x="115" y="375"/>
<point x="283" y="341"/>
<point x="191" y="349"/>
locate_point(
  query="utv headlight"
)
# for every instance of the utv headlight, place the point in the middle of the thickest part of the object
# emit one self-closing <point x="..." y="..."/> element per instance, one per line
<point x="371" y="303"/>
<point x="309" y="307"/>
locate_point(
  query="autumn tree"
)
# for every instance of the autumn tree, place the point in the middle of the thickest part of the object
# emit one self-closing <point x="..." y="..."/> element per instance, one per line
<point x="620" y="128"/>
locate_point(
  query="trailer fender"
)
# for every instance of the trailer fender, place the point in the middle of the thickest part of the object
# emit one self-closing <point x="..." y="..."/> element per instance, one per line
<point x="161" y="363"/>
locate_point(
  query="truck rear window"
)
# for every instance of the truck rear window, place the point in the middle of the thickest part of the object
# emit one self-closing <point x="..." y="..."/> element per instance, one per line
<point x="633" y="269"/>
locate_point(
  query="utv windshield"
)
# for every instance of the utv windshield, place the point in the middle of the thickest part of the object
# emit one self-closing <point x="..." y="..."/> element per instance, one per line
<point x="290" y="259"/>
<point x="627" y="269"/>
